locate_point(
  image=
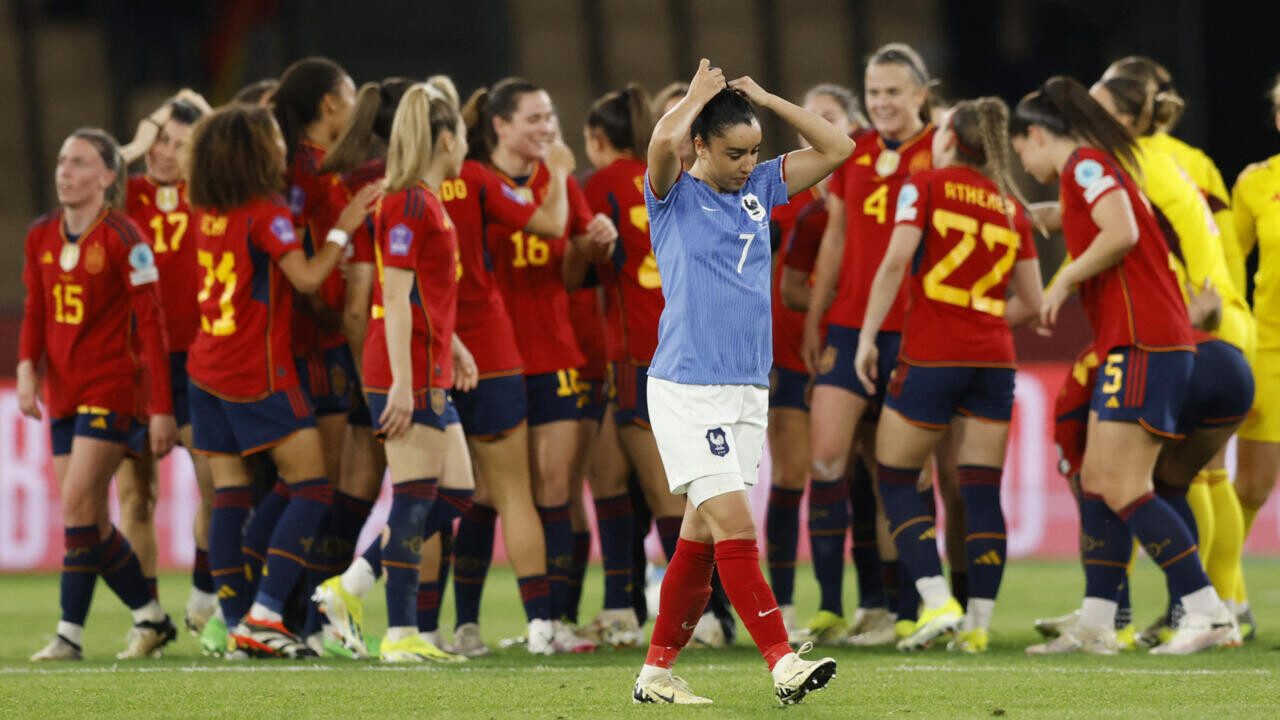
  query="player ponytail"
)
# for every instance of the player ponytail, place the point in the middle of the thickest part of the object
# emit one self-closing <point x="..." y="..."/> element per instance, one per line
<point x="473" y="118"/>
<point x="424" y="113"/>
<point x="844" y="97"/>
<point x="658" y="106"/>
<point x="444" y="85"/>
<point x="109" y="150"/>
<point x="623" y="117"/>
<point x="369" y="128"/>
<point x="1144" y="88"/>
<point x="233" y="156"/>
<point x="982" y="140"/>
<point x="724" y="110"/>
<point x="1063" y="107"/>
<point x="296" y="102"/>
<point x="501" y="100"/>
<point x="906" y="56"/>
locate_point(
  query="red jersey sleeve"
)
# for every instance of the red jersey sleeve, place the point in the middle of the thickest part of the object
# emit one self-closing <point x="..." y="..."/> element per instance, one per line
<point x="408" y="229"/>
<point x="274" y="235"/>
<point x="1092" y="180"/>
<point x="806" y="238"/>
<point x="913" y="201"/>
<point x="141" y="277"/>
<point x="31" y="344"/>
<point x="580" y="214"/>
<point x="501" y="202"/>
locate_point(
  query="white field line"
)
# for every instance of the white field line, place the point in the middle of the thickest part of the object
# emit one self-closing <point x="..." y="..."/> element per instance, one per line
<point x="283" y="668"/>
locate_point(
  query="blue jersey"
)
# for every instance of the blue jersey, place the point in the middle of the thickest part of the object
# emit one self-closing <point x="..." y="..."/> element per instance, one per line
<point x="713" y="254"/>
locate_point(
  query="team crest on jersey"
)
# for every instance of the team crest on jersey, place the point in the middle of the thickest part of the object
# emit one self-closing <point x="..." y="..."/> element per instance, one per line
<point x="718" y="441"/>
<point x="167" y="198"/>
<point x="297" y="198"/>
<point x="888" y="162"/>
<point x="401" y="239"/>
<point x="828" y="361"/>
<point x="282" y="228"/>
<point x="920" y="162"/>
<point x="69" y="257"/>
<point x="752" y="205"/>
<point x="338" y="380"/>
<point x="437" y="401"/>
<point x="95" y="258"/>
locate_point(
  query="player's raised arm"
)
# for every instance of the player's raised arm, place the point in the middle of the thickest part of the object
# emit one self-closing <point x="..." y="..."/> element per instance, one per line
<point x="829" y="146"/>
<point x="664" y="147"/>
<point x="884" y="289"/>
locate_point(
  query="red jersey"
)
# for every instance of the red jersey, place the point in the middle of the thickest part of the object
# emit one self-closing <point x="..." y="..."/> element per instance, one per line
<point x="1136" y="301"/>
<point x="340" y="193"/>
<point x="587" y="320"/>
<point x="413" y="232"/>
<point x="242" y="351"/>
<point x="86" y="299"/>
<point x="868" y="183"/>
<point x="528" y="272"/>
<point x="163" y="210"/>
<point x="955" y="310"/>
<point x="617" y="191"/>
<point x="310" y="195"/>
<point x="1071" y="412"/>
<point x="799" y="252"/>
<point x="475" y="200"/>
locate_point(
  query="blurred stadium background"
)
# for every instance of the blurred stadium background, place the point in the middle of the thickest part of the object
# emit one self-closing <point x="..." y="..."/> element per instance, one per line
<point x="69" y="63"/>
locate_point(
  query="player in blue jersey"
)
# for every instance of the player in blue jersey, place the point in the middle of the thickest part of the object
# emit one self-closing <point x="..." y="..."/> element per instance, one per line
<point x="708" y="383"/>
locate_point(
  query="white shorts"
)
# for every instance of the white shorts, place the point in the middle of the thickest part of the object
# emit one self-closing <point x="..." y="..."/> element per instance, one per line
<point x="711" y="437"/>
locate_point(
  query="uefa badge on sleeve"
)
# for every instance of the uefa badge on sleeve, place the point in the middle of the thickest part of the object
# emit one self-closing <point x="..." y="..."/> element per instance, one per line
<point x="718" y="441"/>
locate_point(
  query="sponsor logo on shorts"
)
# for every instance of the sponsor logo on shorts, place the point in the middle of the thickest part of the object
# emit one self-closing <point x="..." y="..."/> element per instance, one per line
<point x="718" y="441"/>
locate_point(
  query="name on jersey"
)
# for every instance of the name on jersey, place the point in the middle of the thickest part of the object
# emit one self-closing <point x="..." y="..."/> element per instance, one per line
<point x="981" y="197"/>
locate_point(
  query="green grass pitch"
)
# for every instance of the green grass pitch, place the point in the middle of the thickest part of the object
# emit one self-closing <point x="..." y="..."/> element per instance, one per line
<point x="870" y="683"/>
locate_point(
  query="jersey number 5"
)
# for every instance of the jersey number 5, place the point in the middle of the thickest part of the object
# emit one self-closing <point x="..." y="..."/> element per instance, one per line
<point x="225" y="273"/>
<point x="976" y="297"/>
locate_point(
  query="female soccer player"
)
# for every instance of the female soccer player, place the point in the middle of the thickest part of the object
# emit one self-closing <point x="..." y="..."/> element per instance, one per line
<point x="244" y="392"/>
<point x="157" y="201"/>
<point x="862" y="193"/>
<point x="89" y="278"/>
<point x="1119" y="261"/>
<point x="964" y="241"/>
<point x="709" y="404"/>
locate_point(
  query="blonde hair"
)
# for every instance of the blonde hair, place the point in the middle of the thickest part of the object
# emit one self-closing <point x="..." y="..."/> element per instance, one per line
<point x="423" y="113"/>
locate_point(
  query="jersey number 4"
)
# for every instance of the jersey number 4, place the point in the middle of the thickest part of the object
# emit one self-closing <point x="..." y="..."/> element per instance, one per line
<point x="225" y="273"/>
<point x="935" y="287"/>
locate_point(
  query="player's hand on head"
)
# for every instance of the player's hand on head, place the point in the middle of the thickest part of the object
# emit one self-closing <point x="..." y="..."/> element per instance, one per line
<point x="865" y="362"/>
<point x="706" y="82"/>
<point x="192" y="97"/>
<point x="561" y="159"/>
<point x="751" y="89"/>
<point x="358" y="209"/>
<point x="163" y="431"/>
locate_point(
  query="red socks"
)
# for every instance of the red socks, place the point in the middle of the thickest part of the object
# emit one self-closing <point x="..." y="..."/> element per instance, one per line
<point x="686" y="586"/>
<point x="739" y="564"/>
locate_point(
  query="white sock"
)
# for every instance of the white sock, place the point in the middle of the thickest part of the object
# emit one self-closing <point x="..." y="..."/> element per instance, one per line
<point x="1098" y="613"/>
<point x="71" y="631"/>
<point x="262" y="612"/>
<point x="933" y="591"/>
<point x="979" y="613"/>
<point x="201" y="599"/>
<point x="358" y="579"/>
<point x="151" y="612"/>
<point x="649" y="673"/>
<point x="398" y="633"/>
<point x="1204" y="601"/>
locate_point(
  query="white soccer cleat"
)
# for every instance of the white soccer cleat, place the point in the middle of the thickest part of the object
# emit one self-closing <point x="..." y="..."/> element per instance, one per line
<point x="617" y="628"/>
<point x="145" y="639"/>
<point x="467" y="641"/>
<point x="540" y="638"/>
<point x="565" y="640"/>
<point x="200" y="607"/>
<point x="1050" y="628"/>
<point x="876" y="627"/>
<point x="795" y="677"/>
<point x="1195" y="632"/>
<point x="708" y="633"/>
<point x="667" y="689"/>
<point x="59" y="648"/>
<point x="1080" y="639"/>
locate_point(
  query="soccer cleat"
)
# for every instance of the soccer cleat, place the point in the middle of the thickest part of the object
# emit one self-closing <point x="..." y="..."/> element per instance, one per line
<point x="1127" y="637"/>
<point x="467" y="641"/>
<point x="145" y="639"/>
<point x="708" y="633"/>
<point x="969" y="641"/>
<point x="882" y="632"/>
<point x="267" y="638"/>
<point x="666" y="689"/>
<point x="540" y="639"/>
<point x="415" y="648"/>
<point x="435" y="637"/>
<point x="868" y="619"/>
<point x="1050" y="628"/>
<point x="59" y="648"/>
<point x="1079" y="639"/>
<point x="197" y="614"/>
<point x="617" y="628"/>
<point x="564" y="640"/>
<point x="933" y="623"/>
<point x="795" y="677"/>
<point x="825" y="628"/>
<point x="1195" y="632"/>
<point x="1248" y="626"/>
<point x="213" y="639"/>
<point x="904" y="628"/>
<point x="1158" y="632"/>
<point x="345" y="612"/>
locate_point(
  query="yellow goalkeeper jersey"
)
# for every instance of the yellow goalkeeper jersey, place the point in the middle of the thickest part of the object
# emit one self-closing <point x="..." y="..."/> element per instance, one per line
<point x="1256" y="203"/>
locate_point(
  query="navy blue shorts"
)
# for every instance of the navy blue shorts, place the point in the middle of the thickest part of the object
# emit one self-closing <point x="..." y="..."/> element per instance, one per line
<point x="100" y="424"/>
<point x="178" y="387"/>
<point x="633" y="394"/>
<point x="494" y="408"/>
<point x="836" y="365"/>
<point x="432" y="408"/>
<point x="328" y="379"/>
<point x="1148" y="388"/>
<point x="228" y="427"/>
<point x="553" y="396"/>
<point x="931" y="396"/>
<point x="786" y="388"/>
<point x="1221" y="389"/>
<point x="593" y="398"/>
<point x="359" y="414"/>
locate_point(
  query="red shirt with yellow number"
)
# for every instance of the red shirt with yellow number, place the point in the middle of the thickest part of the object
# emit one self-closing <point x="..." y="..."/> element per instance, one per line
<point x="1136" y="301"/>
<point x="168" y="226"/>
<point x="617" y="190"/>
<point x="93" y="310"/>
<point x="799" y="252"/>
<point x="528" y="272"/>
<point x="868" y="184"/>
<point x="413" y="232"/>
<point x="476" y="199"/>
<point x="310" y="195"/>
<point x="955" y="309"/>
<point x="587" y="320"/>
<point x="242" y="351"/>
